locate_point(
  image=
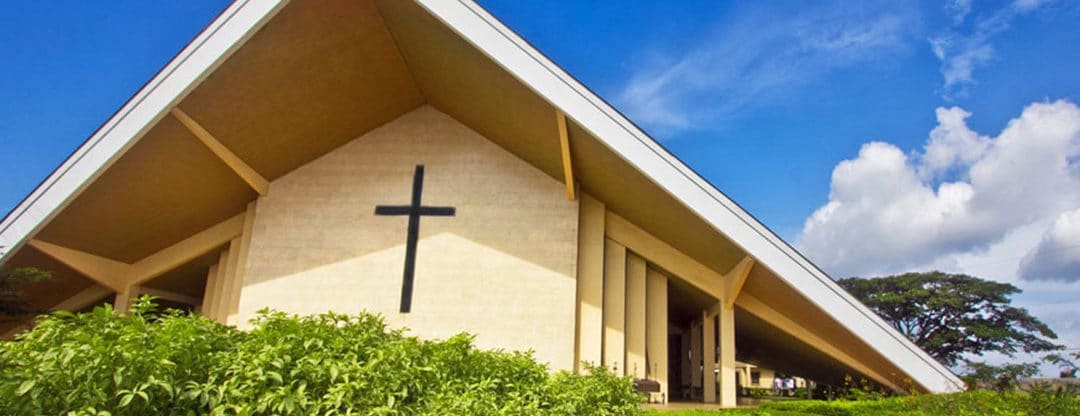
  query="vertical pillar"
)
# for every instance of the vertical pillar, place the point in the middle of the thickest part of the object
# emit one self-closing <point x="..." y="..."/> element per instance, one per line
<point x="615" y="306"/>
<point x="214" y="312"/>
<point x="210" y="293"/>
<point x="685" y="364"/>
<point x="708" y="356"/>
<point x="122" y="302"/>
<point x="237" y="284"/>
<point x="727" y="356"/>
<point x="590" y="282"/>
<point x="229" y="286"/>
<point x="635" y="316"/>
<point x="656" y="329"/>
<point x="695" y="354"/>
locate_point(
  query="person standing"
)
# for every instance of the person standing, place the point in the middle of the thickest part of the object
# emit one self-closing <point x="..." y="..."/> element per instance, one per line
<point x="777" y="384"/>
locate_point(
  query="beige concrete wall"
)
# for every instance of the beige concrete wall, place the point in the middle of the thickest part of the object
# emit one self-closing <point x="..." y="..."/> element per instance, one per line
<point x="503" y="268"/>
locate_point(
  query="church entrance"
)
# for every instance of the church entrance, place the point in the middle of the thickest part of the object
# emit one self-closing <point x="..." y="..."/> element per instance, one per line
<point x="693" y="344"/>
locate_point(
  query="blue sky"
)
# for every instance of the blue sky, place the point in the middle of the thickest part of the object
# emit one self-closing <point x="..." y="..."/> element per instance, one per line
<point x="875" y="136"/>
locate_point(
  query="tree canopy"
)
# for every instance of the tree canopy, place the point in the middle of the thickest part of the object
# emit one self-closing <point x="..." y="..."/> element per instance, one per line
<point x="950" y="315"/>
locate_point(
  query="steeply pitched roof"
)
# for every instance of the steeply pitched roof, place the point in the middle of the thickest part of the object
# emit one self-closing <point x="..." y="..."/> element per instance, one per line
<point x="243" y="18"/>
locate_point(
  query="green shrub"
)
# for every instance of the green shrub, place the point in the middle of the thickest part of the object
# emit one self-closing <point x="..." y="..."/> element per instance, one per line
<point x="133" y="364"/>
<point x="597" y="393"/>
<point x="327" y="364"/>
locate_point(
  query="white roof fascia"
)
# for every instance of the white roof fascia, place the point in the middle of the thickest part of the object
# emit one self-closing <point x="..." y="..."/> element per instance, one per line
<point x="621" y="136"/>
<point x="198" y="59"/>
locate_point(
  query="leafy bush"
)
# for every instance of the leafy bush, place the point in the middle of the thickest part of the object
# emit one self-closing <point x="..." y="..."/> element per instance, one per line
<point x="134" y="364"/>
<point x="177" y="363"/>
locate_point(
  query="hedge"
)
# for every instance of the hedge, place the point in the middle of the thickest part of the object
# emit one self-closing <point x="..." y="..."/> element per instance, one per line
<point x="177" y="363"/>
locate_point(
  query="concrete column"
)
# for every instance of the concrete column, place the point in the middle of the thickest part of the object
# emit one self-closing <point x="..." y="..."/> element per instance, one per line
<point x="122" y="302"/>
<point x="590" y="282"/>
<point x="230" y="290"/>
<point x="635" y="316"/>
<point x="656" y="329"/>
<point x="695" y="354"/>
<point x="727" y="356"/>
<point x="244" y="247"/>
<point x="685" y="364"/>
<point x="708" y="327"/>
<point x="210" y="293"/>
<point x="615" y="306"/>
<point x="217" y="292"/>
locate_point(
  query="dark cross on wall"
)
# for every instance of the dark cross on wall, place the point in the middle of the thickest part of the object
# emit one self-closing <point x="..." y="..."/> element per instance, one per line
<point x="414" y="210"/>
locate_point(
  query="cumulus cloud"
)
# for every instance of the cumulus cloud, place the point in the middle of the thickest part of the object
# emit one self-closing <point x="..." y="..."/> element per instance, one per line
<point x="757" y="56"/>
<point x="952" y="144"/>
<point x="1057" y="257"/>
<point x="890" y="211"/>
<point x="963" y="48"/>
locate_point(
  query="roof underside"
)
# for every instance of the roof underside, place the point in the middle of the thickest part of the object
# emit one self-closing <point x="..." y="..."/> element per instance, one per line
<point x="320" y="74"/>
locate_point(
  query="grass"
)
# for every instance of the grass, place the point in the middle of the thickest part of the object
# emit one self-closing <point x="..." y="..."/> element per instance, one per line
<point x="979" y="403"/>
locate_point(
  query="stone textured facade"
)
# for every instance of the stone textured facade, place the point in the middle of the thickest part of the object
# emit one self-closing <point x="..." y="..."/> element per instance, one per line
<point x="503" y="268"/>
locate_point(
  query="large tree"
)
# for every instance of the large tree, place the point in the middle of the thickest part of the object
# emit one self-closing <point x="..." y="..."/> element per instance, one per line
<point x="950" y="315"/>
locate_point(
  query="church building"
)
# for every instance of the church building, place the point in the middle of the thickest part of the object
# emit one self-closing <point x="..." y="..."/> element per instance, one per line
<point x="420" y="160"/>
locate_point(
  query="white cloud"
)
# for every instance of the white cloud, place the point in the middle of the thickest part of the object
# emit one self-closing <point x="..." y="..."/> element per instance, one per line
<point x="951" y="144"/>
<point x="963" y="48"/>
<point x="890" y="212"/>
<point x="756" y="56"/>
<point x="1057" y="257"/>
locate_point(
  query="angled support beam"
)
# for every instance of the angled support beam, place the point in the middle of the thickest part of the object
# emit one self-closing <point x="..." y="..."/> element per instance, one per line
<point x="186" y="250"/>
<point x="247" y="173"/>
<point x="122" y="277"/>
<point x="736" y="278"/>
<point x="106" y="272"/>
<point x="564" y="144"/>
<point x="86" y="297"/>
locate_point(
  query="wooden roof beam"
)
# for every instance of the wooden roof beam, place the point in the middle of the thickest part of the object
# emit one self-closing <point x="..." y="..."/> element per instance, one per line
<point x="186" y="250"/>
<point x="104" y="271"/>
<point x="242" y="169"/>
<point x="564" y="144"/>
